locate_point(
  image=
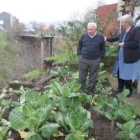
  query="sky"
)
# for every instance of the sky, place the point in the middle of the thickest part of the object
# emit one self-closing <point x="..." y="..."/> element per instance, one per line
<point x="48" y="10"/>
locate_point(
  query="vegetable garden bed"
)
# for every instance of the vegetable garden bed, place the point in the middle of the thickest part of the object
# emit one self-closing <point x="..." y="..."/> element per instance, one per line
<point x="59" y="112"/>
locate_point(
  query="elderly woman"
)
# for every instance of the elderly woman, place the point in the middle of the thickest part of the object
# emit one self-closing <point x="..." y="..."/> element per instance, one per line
<point x="127" y="66"/>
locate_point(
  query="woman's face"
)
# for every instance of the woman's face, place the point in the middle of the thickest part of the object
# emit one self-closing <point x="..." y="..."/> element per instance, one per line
<point x="125" y="25"/>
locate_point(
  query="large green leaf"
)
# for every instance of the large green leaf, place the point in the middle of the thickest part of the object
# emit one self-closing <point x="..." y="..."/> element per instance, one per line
<point x="34" y="136"/>
<point x="17" y="119"/>
<point x="3" y="133"/>
<point x="85" y="98"/>
<point x="32" y="96"/>
<point x="74" y="137"/>
<point x="73" y="85"/>
<point x="36" y="100"/>
<point x="32" y="123"/>
<point x="79" y="120"/>
<point x="28" y="109"/>
<point x="48" y="130"/>
<point x="69" y="103"/>
<point x="59" y="118"/>
<point x="112" y="114"/>
<point x="58" y="88"/>
<point x="65" y="91"/>
<point x="129" y="130"/>
<point x="127" y="112"/>
<point x="44" y="113"/>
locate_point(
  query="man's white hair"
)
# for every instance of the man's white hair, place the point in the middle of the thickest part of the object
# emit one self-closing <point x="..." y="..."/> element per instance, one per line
<point x="93" y="24"/>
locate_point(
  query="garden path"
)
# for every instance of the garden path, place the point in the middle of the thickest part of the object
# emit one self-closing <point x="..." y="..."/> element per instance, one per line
<point x="134" y="99"/>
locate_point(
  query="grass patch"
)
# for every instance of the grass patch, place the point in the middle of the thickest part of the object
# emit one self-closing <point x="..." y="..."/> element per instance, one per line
<point x="33" y="74"/>
<point x="63" y="58"/>
<point x="3" y="40"/>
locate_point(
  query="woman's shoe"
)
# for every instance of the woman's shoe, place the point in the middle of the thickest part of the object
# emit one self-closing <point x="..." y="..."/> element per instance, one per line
<point x="129" y="95"/>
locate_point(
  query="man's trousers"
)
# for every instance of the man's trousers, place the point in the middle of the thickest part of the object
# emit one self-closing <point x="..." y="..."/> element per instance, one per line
<point x="88" y="68"/>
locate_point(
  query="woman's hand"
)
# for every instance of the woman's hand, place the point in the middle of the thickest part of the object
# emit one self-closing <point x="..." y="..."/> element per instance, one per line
<point x="121" y="44"/>
<point x="105" y="38"/>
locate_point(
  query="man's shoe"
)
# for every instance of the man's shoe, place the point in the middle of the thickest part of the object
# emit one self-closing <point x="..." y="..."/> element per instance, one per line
<point x="82" y="91"/>
<point x="89" y="92"/>
<point x="116" y="91"/>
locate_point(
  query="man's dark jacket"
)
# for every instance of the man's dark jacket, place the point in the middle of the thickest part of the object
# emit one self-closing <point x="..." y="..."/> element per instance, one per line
<point x="131" y="44"/>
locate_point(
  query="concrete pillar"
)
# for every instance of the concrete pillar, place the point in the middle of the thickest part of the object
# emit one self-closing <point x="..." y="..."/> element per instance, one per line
<point x="42" y="51"/>
<point x="138" y="87"/>
<point x="51" y="49"/>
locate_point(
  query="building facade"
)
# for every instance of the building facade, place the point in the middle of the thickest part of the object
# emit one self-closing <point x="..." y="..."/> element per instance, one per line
<point x="107" y="14"/>
<point x="8" y="20"/>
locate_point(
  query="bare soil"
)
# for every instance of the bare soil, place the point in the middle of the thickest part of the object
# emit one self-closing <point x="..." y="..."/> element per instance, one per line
<point x="102" y="128"/>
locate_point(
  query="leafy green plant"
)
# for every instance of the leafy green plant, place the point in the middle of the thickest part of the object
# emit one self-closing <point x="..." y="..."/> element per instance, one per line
<point x="34" y="116"/>
<point x="22" y="92"/>
<point x="74" y="137"/>
<point x="49" y="129"/>
<point x="101" y="82"/>
<point x="5" y="104"/>
<point x="122" y="96"/>
<point x="3" y="133"/>
<point x="34" y="136"/>
<point x="76" y="122"/>
<point x="5" y="126"/>
<point x="79" y="120"/>
<point x="61" y="72"/>
<point x="111" y="50"/>
<point x="61" y="89"/>
<point x="68" y="103"/>
<point x="127" y="112"/>
<point x="112" y="110"/>
<point x="100" y="103"/>
<point x="112" y="115"/>
<point x="65" y="96"/>
<point x="129" y="130"/>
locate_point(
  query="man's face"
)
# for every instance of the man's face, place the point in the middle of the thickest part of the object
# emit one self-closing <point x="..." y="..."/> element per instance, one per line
<point x="91" y="30"/>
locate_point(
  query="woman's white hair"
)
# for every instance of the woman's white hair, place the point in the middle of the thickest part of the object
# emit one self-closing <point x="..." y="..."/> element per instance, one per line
<point x="92" y="24"/>
<point x="127" y="18"/>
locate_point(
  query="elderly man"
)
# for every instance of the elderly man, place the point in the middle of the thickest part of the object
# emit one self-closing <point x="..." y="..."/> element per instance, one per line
<point x="91" y="49"/>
